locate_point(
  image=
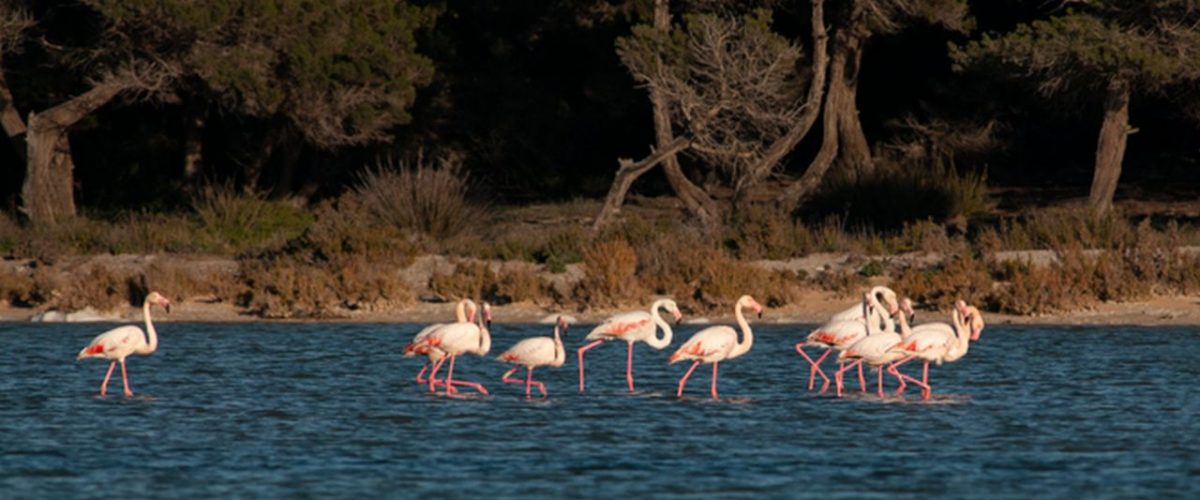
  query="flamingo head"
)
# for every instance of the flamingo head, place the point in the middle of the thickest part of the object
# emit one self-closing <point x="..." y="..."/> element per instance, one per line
<point x="562" y="326"/>
<point x="748" y="301"/>
<point x="487" y="315"/>
<point x="887" y="297"/>
<point x="906" y="308"/>
<point x="158" y="299"/>
<point x="471" y="309"/>
<point x="673" y="308"/>
<point x="976" y="322"/>
<point x="960" y="305"/>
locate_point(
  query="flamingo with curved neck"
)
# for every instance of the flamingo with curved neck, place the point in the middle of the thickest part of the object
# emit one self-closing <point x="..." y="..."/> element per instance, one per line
<point x="636" y="326"/>
<point x="120" y="342"/>
<point x="938" y="343"/>
<point x="844" y="329"/>
<point x="464" y="312"/>
<point x="875" y="348"/>
<point x="534" y="352"/>
<point x="717" y="343"/>
<point x="456" y="339"/>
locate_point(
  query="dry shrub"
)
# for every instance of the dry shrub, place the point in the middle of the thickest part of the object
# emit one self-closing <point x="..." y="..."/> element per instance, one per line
<point x="520" y="283"/>
<point x="343" y="231"/>
<point x="842" y="282"/>
<point x="961" y="276"/>
<point x="762" y="231"/>
<point x="609" y="269"/>
<point x="363" y="284"/>
<point x="15" y="287"/>
<point x="99" y="287"/>
<point x="11" y="234"/>
<point x="233" y="221"/>
<point x="468" y="279"/>
<point x="140" y="232"/>
<point x="286" y="287"/>
<point x="925" y="236"/>
<point x="183" y="279"/>
<point x="425" y="199"/>
<point x="1030" y="290"/>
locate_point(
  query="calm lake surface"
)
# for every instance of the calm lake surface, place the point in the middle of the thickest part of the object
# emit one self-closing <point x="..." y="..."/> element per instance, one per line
<point x="275" y="410"/>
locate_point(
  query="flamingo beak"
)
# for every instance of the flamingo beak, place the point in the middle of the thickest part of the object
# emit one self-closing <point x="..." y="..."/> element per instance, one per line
<point x="678" y="318"/>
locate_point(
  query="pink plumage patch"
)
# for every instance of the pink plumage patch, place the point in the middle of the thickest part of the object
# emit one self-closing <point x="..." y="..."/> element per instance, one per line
<point x="96" y="349"/>
<point x="623" y="328"/>
<point x="508" y="356"/>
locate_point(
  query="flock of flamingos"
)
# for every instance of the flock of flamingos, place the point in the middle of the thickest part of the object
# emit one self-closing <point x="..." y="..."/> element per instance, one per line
<point x="862" y="334"/>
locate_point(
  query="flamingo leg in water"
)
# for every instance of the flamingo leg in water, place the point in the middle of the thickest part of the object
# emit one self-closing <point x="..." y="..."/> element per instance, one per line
<point x="841" y="371"/>
<point x="714" y="380"/>
<point x="450" y="382"/>
<point x="104" y="385"/>
<point x="892" y="370"/>
<point x="629" y="367"/>
<point x="879" y="373"/>
<point x="814" y="367"/>
<point x="507" y="377"/>
<point x="424" y="367"/>
<point x="923" y="385"/>
<point x="450" y="376"/>
<point x="926" y="390"/>
<point x="862" y="381"/>
<point x="530" y="381"/>
<point x="580" y="354"/>
<point x="437" y="365"/>
<point x="683" y="381"/>
<point x="125" y="379"/>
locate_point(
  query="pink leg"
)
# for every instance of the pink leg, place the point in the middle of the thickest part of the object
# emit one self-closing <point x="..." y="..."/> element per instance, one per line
<point x="814" y="367"/>
<point x="126" y="380"/>
<point x="895" y="373"/>
<point x="424" y="367"/>
<point x="450" y="376"/>
<point x="437" y="365"/>
<point x="926" y="390"/>
<point x="629" y="367"/>
<point x="683" y="381"/>
<point x="507" y="377"/>
<point x="528" y="379"/>
<point x="862" y="381"/>
<point x="714" y="380"/>
<point x="104" y="385"/>
<point x="842" y="370"/>
<point x="580" y="354"/>
<point x="879" y="373"/>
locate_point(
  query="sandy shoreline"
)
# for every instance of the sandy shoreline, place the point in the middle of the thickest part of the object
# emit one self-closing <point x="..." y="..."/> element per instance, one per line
<point x="1158" y="311"/>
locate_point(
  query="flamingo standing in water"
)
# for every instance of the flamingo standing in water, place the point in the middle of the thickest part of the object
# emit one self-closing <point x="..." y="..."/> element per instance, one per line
<point x="456" y="339"/>
<point x="717" y="343"/>
<point x="533" y="352"/>
<point x="844" y="329"/>
<point x="632" y="327"/>
<point x="464" y="312"/>
<point x="120" y="342"/>
<point x="938" y="343"/>
<point x="875" y="348"/>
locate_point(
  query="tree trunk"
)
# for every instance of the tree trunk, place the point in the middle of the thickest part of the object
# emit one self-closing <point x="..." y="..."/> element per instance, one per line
<point x="48" y="194"/>
<point x="1110" y="150"/>
<point x="10" y="119"/>
<point x="698" y="202"/>
<point x="841" y="130"/>
<point x="627" y="173"/>
<point x="193" y="145"/>
<point x="855" y="151"/>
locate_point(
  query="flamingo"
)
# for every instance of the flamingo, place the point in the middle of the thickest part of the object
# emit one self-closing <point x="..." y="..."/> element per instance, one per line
<point x="456" y="339"/>
<point x="874" y="349"/>
<point x="533" y="352"/>
<point x="717" y="343"/>
<point x="938" y="343"/>
<point x="120" y="342"/>
<point x="844" y="329"/>
<point x="464" y="312"/>
<point x="632" y="327"/>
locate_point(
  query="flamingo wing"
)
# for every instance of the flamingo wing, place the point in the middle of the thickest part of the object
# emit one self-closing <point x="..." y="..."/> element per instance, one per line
<point x="854" y="312"/>
<point x="454" y="338"/>
<point x="116" y="343"/>
<point x="621" y="325"/>
<point x="838" y="333"/>
<point x="927" y="341"/>
<point x="871" y="348"/>
<point x="710" y="344"/>
<point x="533" y="351"/>
<point x="411" y="349"/>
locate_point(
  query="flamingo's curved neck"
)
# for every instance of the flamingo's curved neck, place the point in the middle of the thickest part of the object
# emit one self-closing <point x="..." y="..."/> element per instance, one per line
<point x="962" y="330"/>
<point x="485" y="337"/>
<point x="889" y="325"/>
<point x="560" y="355"/>
<point x="655" y="340"/>
<point x="905" y="330"/>
<point x="747" y="336"/>
<point x="152" y="343"/>
<point x="461" y="311"/>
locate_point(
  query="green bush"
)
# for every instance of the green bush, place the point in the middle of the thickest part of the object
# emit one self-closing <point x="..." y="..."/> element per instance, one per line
<point x="237" y="222"/>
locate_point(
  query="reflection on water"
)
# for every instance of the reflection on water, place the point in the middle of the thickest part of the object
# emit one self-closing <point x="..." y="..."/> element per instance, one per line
<point x="267" y="410"/>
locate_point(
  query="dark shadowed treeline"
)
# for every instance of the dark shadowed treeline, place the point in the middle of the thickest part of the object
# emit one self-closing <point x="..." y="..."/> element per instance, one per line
<point x="112" y="106"/>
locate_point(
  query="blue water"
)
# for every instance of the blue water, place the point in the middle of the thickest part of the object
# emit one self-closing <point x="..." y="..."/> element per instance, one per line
<point x="271" y="410"/>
